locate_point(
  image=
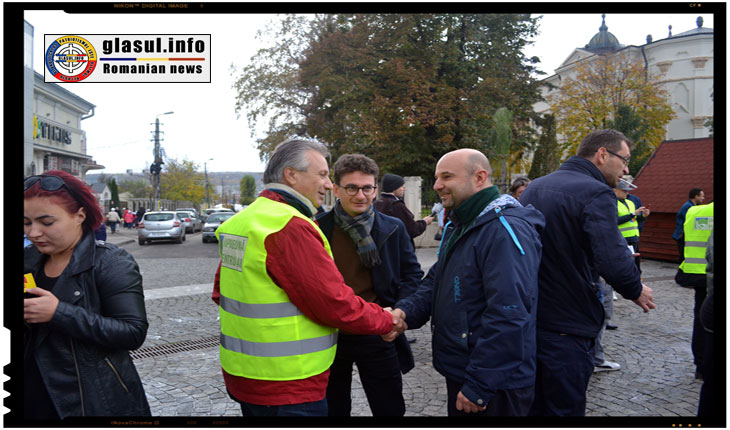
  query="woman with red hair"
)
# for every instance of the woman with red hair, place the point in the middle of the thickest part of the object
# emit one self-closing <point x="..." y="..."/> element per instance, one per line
<point x="86" y="312"/>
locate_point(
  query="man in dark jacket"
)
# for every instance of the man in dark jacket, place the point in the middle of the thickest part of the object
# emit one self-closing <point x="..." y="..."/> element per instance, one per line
<point x="581" y="241"/>
<point x="481" y="294"/>
<point x="375" y="256"/>
<point x="391" y="203"/>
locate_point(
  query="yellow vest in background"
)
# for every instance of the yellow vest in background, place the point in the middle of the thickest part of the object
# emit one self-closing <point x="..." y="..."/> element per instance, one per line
<point x="697" y="228"/>
<point x="263" y="334"/>
<point x="630" y="228"/>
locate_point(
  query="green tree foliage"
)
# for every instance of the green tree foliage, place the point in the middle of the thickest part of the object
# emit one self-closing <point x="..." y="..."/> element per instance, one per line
<point x="546" y="158"/>
<point x="632" y="125"/>
<point x="500" y="143"/>
<point x="592" y="99"/>
<point x="181" y="181"/>
<point x="138" y="188"/>
<point x="248" y="189"/>
<point x="400" y="88"/>
<point x="112" y="184"/>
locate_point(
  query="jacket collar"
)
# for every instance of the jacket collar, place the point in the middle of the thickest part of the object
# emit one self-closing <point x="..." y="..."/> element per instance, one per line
<point x="382" y="227"/>
<point x="83" y="255"/>
<point x="294" y="193"/>
<point x="580" y="164"/>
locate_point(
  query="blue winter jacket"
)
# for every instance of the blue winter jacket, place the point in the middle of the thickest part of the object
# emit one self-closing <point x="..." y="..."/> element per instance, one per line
<point x="482" y="299"/>
<point x="580" y="241"/>
<point x="398" y="274"/>
<point x="679" y="231"/>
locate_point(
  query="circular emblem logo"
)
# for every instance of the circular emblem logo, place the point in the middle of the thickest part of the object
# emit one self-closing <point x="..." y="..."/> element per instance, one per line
<point x="71" y="58"/>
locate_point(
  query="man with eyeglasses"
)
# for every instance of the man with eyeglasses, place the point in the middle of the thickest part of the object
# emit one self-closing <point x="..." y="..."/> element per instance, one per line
<point x="391" y="203"/>
<point x="581" y="242"/>
<point x="376" y="258"/>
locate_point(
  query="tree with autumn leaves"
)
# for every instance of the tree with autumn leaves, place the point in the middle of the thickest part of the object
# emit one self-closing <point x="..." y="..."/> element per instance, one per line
<point x="612" y="92"/>
<point x="181" y="181"/>
<point x="401" y="88"/>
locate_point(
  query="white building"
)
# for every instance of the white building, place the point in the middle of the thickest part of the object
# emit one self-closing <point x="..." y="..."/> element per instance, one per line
<point x="684" y="61"/>
<point x="52" y="134"/>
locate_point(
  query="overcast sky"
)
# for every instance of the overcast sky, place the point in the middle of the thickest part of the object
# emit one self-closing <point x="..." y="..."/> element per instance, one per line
<point x="205" y="124"/>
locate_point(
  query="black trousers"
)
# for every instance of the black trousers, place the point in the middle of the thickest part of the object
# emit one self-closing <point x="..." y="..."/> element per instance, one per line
<point x="699" y="334"/>
<point x="379" y="371"/>
<point x="505" y="403"/>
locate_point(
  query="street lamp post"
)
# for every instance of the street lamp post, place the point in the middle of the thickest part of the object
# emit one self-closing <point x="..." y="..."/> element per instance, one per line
<point x="157" y="164"/>
<point x="207" y="193"/>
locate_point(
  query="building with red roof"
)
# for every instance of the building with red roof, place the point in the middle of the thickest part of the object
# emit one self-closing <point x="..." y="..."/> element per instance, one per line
<point x="675" y="167"/>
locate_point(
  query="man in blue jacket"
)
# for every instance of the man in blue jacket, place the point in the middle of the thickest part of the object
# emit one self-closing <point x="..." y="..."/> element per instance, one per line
<point x="374" y="253"/>
<point x="696" y="197"/>
<point x="481" y="294"/>
<point x="581" y="242"/>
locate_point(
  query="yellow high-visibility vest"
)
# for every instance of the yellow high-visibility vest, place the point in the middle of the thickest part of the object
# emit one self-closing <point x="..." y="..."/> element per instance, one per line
<point x="263" y="334"/>
<point x="697" y="228"/>
<point x="630" y="228"/>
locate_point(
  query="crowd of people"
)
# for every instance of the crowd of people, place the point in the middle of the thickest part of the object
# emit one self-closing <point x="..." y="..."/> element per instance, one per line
<point x="304" y="294"/>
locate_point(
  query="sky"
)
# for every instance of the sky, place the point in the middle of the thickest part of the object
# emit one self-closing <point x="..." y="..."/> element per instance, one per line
<point x="205" y="125"/>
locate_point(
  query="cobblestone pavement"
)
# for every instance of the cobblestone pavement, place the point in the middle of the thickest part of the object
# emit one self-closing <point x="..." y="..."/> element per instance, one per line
<point x="181" y="373"/>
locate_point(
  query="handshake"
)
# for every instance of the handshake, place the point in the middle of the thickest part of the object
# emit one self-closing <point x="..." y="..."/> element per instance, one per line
<point x="399" y="324"/>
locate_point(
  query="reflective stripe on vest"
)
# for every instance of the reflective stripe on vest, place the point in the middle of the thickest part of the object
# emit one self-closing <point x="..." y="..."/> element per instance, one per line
<point x="630" y="228"/>
<point x="279" y="349"/>
<point x="263" y="334"/>
<point x="697" y="228"/>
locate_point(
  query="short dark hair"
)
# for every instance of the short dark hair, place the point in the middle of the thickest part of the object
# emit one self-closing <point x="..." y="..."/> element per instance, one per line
<point x="82" y="197"/>
<point x="694" y="192"/>
<point x="349" y="163"/>
<point x="521" y="181"/>
<point x="609" y="139"/>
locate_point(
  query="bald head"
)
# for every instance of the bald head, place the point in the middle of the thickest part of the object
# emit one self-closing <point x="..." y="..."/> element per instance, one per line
<point x="461" y="174"/>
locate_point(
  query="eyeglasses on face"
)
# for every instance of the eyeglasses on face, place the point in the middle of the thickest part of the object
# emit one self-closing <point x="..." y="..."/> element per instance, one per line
<point x="48" y="183"/>
<point x="352" y="190"/>
<point x="624" y="159"/>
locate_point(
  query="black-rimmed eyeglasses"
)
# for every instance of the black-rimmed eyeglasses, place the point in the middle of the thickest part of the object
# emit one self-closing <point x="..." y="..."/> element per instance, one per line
<point x="49" y="183"/>
<point x="625" y="160"/>
<point x="352" y="190"/>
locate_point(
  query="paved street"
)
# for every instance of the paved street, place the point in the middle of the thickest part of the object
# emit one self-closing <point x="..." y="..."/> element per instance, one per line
<point x="179" y="361"/>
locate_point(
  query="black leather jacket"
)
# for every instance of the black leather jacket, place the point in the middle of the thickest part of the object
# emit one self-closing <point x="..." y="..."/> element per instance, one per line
<point x="82" y="353"/>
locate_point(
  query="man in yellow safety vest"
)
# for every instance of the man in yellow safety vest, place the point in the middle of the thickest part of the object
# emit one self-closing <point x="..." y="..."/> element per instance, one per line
<point x="281" y="296"/>
<point x="629" y="217"/>
<point x="692" y="273"/>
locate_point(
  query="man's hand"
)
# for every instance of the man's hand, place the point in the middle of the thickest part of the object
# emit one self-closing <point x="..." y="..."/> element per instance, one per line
<point x="39" y="309"/>
<point x="428" y="219"/>
<point x="466" y="405"/>
<point x="399" y="324"/>
<point x="646" y="299"/>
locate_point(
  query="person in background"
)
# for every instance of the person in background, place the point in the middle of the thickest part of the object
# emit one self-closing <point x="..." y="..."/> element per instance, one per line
<point x="100" y="232"/>
<point x="376" y="258"/>
<point x="129" y="219"/>
<point x="518" y="186"/>
<point x="708" y="404"/>
<point x="391" y="203"/>
<point x="140" y="214"/>
<point x="636" y="200"/>
<point x="692" y="273"/>
<point x="113" y="218"/>
<point x="280" y="295"/>
<point x="581" y="242"/>
<point x="86" y="313"/>
<point x="481" y="294"/>
<point x="629" y="217"/>
<point x="696" y="197"/>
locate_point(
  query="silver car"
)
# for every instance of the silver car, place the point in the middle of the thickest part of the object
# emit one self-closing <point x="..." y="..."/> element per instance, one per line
<point x="164" y="225"/>
<point x="212" y="223"/>
<point x="191" y="221"/>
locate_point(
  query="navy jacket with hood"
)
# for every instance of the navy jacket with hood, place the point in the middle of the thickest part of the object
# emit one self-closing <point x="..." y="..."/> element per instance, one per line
<point x="580" y="241"/>
<point x="481" y="297"/>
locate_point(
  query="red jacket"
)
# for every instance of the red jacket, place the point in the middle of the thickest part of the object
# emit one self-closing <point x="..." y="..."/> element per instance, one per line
<point x="298" y="263"/>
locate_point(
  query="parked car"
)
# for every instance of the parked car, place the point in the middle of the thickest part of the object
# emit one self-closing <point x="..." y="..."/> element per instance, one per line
<point x="164" y="225"/>
<point x="191" y="220"/>
<point x="214" y="221"/>
<point x="193" y="210"/>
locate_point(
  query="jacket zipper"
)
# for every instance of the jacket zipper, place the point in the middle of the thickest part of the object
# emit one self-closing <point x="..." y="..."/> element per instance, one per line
<point x="78" y="378"/>
<point x="119" y="378"/>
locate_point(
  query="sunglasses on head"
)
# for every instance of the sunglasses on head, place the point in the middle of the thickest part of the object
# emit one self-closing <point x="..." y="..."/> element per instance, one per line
<point x="49" y="183"/>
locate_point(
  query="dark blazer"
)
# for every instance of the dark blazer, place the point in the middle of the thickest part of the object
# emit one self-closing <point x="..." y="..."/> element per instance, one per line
<point x="82" y="353"/>
<point x="398" y="274"/>
<point x="580" y="241"/>
<point x="389" y="204"/>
